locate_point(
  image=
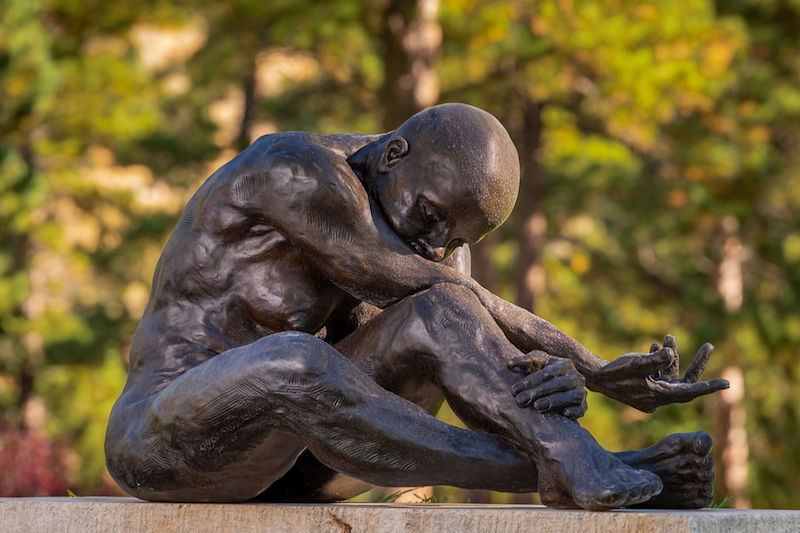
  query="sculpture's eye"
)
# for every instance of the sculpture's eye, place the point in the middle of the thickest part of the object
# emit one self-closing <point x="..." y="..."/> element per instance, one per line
<point x="258" y="230"/>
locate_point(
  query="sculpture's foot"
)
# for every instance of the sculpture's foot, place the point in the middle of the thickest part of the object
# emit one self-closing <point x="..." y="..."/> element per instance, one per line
<point x="583" y="474"/>
<point x="684" y="466"/>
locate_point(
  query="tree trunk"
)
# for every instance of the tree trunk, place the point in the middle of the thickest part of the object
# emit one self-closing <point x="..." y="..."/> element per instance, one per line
<point x="412" y="39"/>
<point x="248" y="82"/>
<point x="531" y="224"/>
<point x="731" y="449"/>
<point x="246" y="127"/>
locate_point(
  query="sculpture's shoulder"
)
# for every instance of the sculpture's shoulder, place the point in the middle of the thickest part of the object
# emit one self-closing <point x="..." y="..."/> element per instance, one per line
<point x="293" y="160"/>
<point x="300" y="146"/>
<point x="280" y="176"/>
<point x="277" y="150"/>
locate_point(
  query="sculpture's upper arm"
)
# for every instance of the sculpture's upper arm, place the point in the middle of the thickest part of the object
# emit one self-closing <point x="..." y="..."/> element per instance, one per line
<point x="318" y="203"/>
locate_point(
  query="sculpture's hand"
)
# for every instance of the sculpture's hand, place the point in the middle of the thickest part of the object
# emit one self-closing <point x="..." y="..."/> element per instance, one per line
<point x="551" y="384"/>
<point x="649" y="381"/>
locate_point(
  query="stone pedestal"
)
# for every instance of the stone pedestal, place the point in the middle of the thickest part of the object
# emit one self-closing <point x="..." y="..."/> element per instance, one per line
<point x="107" y="515"/>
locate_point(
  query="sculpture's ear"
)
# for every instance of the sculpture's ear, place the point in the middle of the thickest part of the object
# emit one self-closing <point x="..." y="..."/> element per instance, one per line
<point x="394" y="152"/>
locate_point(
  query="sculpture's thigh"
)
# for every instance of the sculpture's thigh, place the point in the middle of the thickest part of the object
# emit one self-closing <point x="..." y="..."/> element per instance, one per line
<point x="409" y="344"/>
<point x="218" y="432"/>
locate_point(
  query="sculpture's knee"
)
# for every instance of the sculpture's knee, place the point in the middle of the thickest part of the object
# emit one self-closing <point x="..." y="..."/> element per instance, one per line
<point x="130" y="449"/>
<point x="292" y="359"/>
<point x="449" y="307"/>
<point x="170" y="446"/>
<point x="450" y="295"/>
<point x="307" y="381"/>
<point x="442" y="317"/>
<point x="152" y="443"/>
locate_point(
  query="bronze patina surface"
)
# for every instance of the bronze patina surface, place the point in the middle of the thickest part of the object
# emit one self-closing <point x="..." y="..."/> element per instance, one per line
<point x="313" y="307"/>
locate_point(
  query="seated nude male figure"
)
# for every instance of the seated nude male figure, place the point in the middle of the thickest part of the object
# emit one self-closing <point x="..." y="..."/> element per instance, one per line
<point x="313" y="307"/>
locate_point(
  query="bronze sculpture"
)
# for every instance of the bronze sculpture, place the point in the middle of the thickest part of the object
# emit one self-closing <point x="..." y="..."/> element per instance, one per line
<point x="312" y="308"/>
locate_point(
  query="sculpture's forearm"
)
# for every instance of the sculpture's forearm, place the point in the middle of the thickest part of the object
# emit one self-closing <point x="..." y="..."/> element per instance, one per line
<point x="384" y="278"/>
<point x="529" y="332"/>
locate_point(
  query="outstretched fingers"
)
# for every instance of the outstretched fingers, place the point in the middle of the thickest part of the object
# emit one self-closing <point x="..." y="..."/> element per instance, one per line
<point x="672" y="372"/>
<point x="637" y="365"/>
<point x="699" y="363"/>
<point x="683" y="392"/>
<point x="688" y="388"/>
<point x="649" y="381"/>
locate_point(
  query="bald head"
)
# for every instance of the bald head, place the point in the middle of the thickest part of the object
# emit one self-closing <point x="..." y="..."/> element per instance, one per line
<point x="486" y="160"/>
<point x="448" y="176"/>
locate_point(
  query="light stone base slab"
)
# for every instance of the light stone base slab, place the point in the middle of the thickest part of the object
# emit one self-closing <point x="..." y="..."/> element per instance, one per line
<point x="89" y="515"/>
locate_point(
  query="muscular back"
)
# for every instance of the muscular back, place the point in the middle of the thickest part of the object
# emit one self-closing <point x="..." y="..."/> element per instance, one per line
<point x="229" y="274"/>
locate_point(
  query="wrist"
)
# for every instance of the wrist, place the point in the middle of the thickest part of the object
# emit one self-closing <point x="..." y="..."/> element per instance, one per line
<point x="592" y="383"/>
<point x="589" y="366"/>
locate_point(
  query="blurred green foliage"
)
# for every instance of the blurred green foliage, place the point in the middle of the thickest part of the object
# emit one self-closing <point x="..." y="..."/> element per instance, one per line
<point x="670" y="150"/>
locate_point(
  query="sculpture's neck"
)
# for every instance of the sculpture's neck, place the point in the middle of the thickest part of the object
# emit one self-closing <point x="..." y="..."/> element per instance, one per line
<point x="364" y="161"/>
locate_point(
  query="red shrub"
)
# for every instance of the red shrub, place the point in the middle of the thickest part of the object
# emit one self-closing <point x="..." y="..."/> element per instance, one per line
<point x="30" y="464"/>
